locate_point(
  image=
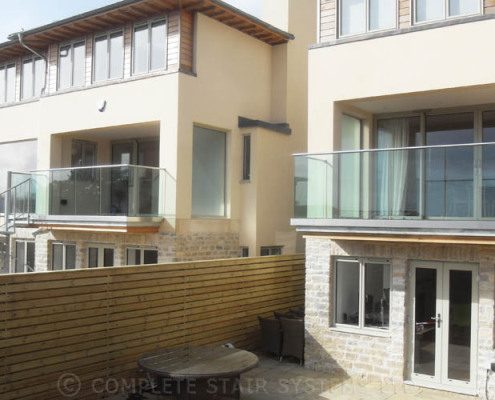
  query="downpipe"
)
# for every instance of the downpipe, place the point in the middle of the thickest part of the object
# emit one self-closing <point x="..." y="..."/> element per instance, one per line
<point x="19" y="36"/>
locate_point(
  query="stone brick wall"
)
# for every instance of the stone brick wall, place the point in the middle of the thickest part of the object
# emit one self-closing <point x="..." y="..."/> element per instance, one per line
<point x="190" y="247"/>
<point x="386" y="357"/>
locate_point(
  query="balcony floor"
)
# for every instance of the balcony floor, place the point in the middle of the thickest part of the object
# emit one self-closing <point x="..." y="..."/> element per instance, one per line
<point x="288" y="381"/>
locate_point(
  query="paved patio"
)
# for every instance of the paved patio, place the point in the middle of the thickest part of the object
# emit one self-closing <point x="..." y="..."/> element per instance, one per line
<point x="288" y="381"/>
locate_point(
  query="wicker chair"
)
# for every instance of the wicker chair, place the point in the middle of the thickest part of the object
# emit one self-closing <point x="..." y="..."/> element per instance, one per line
<point x="293" y="339"/>
<point x="271" y="335"/>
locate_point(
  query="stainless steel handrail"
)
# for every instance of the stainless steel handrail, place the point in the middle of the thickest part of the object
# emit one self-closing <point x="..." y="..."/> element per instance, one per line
<point x="443" y="146"/>
<point x="100" y="167"/>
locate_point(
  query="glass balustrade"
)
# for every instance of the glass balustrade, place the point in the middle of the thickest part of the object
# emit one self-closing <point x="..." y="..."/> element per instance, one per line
<point x="123" y="190"/>
<point x="431" y="182"/>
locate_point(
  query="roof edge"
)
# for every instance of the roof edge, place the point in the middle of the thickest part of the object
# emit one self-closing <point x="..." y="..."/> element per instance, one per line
<point x="123" y="3"/>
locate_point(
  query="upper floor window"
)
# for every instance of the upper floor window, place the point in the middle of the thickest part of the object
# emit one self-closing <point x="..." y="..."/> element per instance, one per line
<point x="7" y="83"/>
<point x="149" y="47"/>
<point x="108" y="56"/>
<point x="32" y="77"/>
<point x="361" y="16"/>
<point x="72" y="65"/>
<point x="433" y="10"/>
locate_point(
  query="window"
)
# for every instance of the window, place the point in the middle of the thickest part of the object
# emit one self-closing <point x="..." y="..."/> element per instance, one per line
<point x="362" y="294"/>
<point x="246" y="157"/>
<point x="361" y="16"/>
<point x="271" y="251"/>
<point x="209" y="170"/>
<point x="138" y="256"/>
<point x="108" y="56"/>
<point x="244" y="251"/>
<point x="63" y="256"/>
<point x="7" y="83"/>
<point x="149" y="47"/>
<point x="72" y="65"/>
<point x="100" y="256"/>
<point x="32" y="77"/>
<point x="83" y="153"/>
<point x="24" y="256"/>
<point x="434" y="10"/>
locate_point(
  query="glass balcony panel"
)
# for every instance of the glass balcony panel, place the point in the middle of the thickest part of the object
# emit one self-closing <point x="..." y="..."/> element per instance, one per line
<point x="488" y="165"/>
<point x="87" y="191"/>
<point x="443" y="182"/>
<point x="350" y="185"/>
<point x="62" y="192"/>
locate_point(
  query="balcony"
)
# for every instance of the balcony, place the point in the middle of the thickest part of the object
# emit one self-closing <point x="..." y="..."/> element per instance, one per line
<point x="115" y="196"/>
<point x="429" y="190"/>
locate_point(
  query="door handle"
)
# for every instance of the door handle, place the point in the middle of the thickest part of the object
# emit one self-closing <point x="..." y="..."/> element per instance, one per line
<point x="438" y="319"/>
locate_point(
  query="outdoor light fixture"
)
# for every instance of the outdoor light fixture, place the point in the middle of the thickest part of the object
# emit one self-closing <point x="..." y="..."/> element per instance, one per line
<point x="102" y="106"/>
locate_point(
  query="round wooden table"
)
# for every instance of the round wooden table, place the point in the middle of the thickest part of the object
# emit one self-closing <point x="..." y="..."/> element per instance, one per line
<point x="210" y="373"/>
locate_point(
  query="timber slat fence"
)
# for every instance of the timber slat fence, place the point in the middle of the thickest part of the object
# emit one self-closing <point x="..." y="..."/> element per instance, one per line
<point x="95" y="323"/>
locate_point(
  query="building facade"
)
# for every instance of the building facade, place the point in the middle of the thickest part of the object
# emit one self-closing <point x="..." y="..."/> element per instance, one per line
<point x="395" y="196"/>
<point x="151" y="131"/>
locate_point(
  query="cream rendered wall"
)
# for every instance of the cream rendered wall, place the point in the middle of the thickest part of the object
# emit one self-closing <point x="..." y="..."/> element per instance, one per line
<point x="234" y="70"/>
<point x="411" y="63"/>
<point x="141" y="100"/>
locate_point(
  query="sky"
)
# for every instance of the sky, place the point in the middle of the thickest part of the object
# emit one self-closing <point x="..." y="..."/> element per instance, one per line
<point x="29" y="14"/>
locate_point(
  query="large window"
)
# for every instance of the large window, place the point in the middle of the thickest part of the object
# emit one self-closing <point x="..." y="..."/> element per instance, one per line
<point x="32" y="77"/>
<point x="72" y="65"/>
<point x="24" y="256"/>
<point x="149" y="47"/>
<point x="449" y="170"/>
<point x="7" y="83"/>
<point x="140" y="256"/>
<point x="10" y="160"/>
<point x="108" y="56"/>
<point x="362" y="293"/>
<point x="63" y="256"/>
<point x="434" y="10"/>
<point x="100" y="256"/>
<point x="397" y="172"/>
<point x="361" y="16"/>
<point x="209" y="171"/>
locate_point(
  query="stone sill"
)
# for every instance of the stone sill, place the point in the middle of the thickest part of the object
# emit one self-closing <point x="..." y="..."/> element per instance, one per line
<point x="362" y="331"/>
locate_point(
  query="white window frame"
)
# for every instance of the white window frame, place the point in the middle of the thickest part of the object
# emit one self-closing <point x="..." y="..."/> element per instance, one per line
<point x="33" y="60"/>
<point x="13" y="266"/>
<point x="360" y="328"/>
<point x="72" y="43"/>
<point x="6" y="66"/>
<point x="367" y="26"/>
<point x="446" y="12"/>
<point x="141" y="254"/>
<point x="107" y="35"/>
<point x="148" y="24"/>
<point x="64" y="256"/>
<point x="101" y="247"/>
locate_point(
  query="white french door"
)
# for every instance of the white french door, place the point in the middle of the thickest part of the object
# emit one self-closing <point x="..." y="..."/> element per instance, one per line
<point x="445" y="321"/>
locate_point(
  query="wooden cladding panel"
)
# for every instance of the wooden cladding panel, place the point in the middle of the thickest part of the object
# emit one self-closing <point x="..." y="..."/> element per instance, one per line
<point x="186" y="41"/>
<point x="95" y="323"/>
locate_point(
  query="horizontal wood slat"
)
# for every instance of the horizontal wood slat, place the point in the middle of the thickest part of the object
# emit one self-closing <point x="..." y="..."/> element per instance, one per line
<point x="96" y="323"/>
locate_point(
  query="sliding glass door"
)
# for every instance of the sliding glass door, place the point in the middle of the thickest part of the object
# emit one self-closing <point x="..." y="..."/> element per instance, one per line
<point x="450" y="170"/>
<point x="397" y="172"/>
